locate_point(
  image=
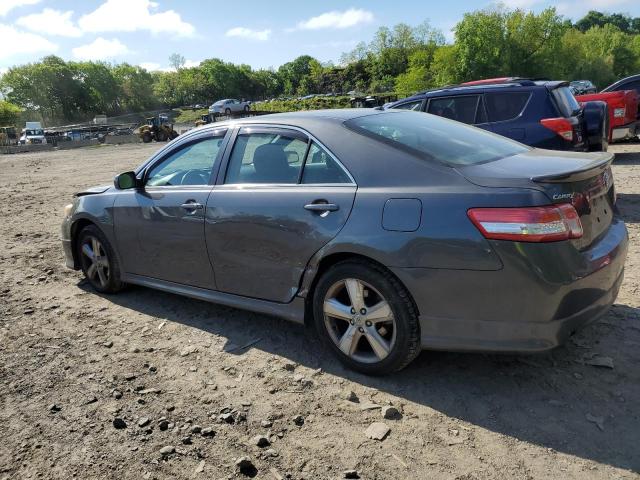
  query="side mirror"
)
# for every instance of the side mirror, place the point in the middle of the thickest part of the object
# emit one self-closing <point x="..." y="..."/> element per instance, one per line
<point x="125" y="181"/>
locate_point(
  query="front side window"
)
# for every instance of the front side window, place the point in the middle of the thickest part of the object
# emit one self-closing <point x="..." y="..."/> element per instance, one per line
<point x="461" y="109"/>
<point x="503" y="106"/>
<point x="320" y="167"/>
<point x="266" y="158"/>
<point x="190" y="165"/>
<point x="433" y="138"/>
<point x="410" y="106"/>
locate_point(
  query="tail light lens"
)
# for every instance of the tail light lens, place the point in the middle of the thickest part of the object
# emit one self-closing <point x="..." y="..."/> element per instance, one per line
<point x="561" y="126"/>
<point x="550" y="223"/>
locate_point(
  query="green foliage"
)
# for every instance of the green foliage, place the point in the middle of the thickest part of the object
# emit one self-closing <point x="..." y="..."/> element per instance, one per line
<point x="9" y="114"/>
<point x="488" y="43"/>
<point x="316" y="103"/>
<point x="186" y="115"/>
<point x="624" y="23"/>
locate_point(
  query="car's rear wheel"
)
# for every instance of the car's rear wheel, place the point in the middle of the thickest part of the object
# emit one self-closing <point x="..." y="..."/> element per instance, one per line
<point x="246" y="108"/>
<point x="366" y="317"/>
<point x="227" y="111"/>
<point x="98" y="260"/>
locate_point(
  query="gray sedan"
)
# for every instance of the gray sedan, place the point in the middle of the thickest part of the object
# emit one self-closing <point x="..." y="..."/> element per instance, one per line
<point x="389" y="231"/>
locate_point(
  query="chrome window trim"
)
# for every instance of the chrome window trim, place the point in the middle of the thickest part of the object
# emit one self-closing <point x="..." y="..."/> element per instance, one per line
<point x="312" y="138"/>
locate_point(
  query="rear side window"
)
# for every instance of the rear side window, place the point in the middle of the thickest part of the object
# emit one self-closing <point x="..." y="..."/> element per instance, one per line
<point x="320" y="167"/>
<point x="566" y="102"/>
<point x="503" y="106"/>
<point x="462" y="108"/>
<point x="410" y="106"/>
<point x="266" y="158"/>
<point x="434" y="138"/>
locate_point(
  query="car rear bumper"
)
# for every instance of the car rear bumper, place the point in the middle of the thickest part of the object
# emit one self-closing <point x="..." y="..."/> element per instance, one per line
<point x="525" y="307"/>
<point x="625" y="132"/>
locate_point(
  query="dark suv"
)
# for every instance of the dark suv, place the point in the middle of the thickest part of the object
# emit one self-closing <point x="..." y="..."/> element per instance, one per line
<point x="540" y="113"/>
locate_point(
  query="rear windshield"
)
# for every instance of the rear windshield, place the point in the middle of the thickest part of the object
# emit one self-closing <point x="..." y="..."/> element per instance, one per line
<point x="436" y="138"/>
<point x="567" y="103"/>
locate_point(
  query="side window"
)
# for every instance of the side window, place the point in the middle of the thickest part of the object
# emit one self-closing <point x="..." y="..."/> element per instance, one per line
<point x="630" y="86"/>
<point x="410" y="106"/>
<point x="266" y="158"/>
<point x="462" y="109"/>
<point x="505" y="105"/>
<point x="320" y="167"/>
<point x="190" y="165"/>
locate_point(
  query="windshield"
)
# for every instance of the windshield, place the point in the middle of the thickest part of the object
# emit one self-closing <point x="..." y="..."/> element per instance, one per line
<point x="436" y="138"/>
<point x="567" y="103"/>
<point x="35" y="132"/>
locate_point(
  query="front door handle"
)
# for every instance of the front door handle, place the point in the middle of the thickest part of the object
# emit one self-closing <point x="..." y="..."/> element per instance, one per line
<point x="192" y="205"/>
<point x="322" y="207"/>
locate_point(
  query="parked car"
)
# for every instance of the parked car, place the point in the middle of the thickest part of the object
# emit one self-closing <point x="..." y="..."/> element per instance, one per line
<point x="228" y="106"/>
<point x="32" y="134"/>
<point x="390" y="231"/>
<point x="539" y="113"/>
<point x="623" y="99"/>
<point x="582" y="87"/>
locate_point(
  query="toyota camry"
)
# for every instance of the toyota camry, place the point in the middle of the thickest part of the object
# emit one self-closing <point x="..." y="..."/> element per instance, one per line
<point x="388" y="231"/>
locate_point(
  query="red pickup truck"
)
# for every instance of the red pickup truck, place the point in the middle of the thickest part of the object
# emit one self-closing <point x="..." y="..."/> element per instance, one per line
<point x="623" y="100"/>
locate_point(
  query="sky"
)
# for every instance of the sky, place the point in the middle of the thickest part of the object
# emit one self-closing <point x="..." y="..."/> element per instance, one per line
<point x="261" y="33"/>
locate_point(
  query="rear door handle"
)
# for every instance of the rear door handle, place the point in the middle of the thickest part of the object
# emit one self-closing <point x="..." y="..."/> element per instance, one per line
<point x="192" y="205"/>
<point x="322" y="207"/>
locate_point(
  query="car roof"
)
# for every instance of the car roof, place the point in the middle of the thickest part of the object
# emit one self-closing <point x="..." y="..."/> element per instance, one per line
<point x="620" y="82"/>
<point x="485" y="85"/>
<point x="301" y="118"/>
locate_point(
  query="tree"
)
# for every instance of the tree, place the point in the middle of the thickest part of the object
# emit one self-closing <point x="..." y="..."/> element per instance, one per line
<point x="9" y="113"/>
<point x="176" y="61"/>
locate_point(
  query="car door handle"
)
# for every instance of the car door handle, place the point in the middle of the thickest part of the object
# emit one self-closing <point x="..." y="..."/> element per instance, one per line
<point x="192" y="205"/>
<point x="322" y="207"/>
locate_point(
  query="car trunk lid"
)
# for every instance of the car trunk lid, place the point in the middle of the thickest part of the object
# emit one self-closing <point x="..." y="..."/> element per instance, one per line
<point x="584" y="180"/>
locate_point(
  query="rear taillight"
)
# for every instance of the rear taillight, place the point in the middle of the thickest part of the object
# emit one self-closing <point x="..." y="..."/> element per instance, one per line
<point x="550" y="223"/>
<point x="561" y="126"/>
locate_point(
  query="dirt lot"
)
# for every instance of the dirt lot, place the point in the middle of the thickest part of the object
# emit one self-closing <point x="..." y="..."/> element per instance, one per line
<point x="72" y="361"/>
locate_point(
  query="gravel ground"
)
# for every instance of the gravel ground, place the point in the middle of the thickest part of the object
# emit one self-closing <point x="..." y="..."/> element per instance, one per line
<point x="146" y="384"/>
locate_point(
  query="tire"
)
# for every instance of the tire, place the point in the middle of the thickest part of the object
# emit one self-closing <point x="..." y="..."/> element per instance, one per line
<point x="227" y="111"/>
<point x="161" y="136"/>
<point x="246" y="108"/>
<point x="596" y="117"/>
<point x="146" y="137"/>
<point x="400" y="336"/>
<point x="105" y="276"/>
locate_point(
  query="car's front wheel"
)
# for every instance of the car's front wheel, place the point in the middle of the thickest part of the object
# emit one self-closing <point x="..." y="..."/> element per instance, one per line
<point x="98" y="260"/>
<point x="366" y="317"/>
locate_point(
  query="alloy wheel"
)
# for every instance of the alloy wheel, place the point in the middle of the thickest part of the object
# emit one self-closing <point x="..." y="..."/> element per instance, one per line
<point x="95" y="261"/>
<point x="359" y="320"/>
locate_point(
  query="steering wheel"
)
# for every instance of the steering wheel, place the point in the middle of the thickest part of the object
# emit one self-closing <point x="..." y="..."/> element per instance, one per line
<point x="194" y="177"/>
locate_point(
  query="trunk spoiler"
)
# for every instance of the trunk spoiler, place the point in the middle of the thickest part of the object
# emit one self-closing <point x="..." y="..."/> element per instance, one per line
<point x="592" y="169"/>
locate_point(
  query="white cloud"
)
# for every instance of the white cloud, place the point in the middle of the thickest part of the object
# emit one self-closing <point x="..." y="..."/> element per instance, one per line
<point x="243" y="32"/>
<point x="150" y="66"/>
<point x="17" y="42"/>
<point x="134" y="15"/>
<point x="156" y="67"/>
<point x="100" y="49"/>
<point x="7" y="5"/>
<point x="50" y="22"/>
<point x="336" y="19"/>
